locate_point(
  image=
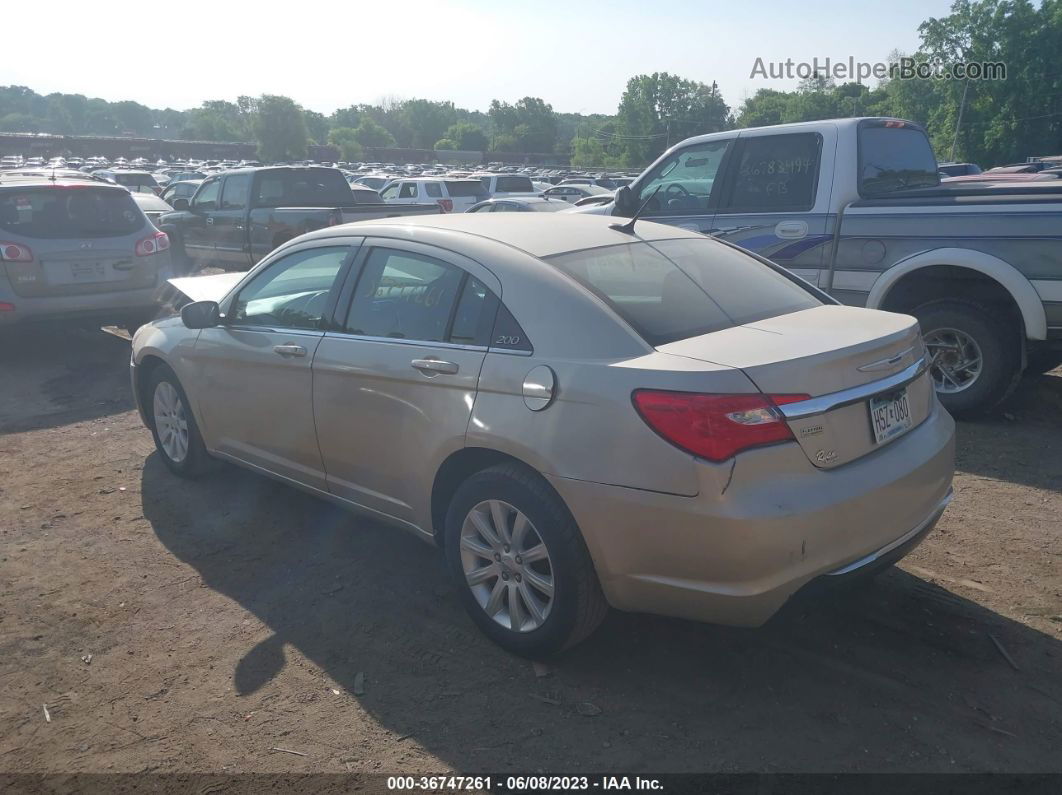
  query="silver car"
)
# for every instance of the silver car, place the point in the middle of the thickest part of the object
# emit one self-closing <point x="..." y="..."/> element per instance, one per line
<point x="77" y="249"/>
<point x="580" y="415"/>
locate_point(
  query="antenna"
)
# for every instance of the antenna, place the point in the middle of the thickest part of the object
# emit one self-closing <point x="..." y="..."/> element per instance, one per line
<point x="628" y="228"/>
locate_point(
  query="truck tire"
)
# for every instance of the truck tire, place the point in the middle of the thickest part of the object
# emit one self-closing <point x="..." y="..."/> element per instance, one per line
<point x="976" y="354"/>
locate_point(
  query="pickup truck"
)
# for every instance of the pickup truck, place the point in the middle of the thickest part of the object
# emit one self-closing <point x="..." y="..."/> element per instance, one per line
<point x="856" y="207"/>
<point x="237" y="217"/>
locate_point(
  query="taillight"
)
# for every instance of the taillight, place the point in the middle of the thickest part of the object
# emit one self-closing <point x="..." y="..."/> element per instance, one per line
<point x="6" y="307"/>
<point x="716" y="427"/>
<point x="159" y="241"/>
<point x="15" y="252"/>
<point x="447" y="205"/>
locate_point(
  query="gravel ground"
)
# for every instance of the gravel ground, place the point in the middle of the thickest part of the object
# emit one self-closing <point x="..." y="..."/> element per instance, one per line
<point x="150" y="624"/>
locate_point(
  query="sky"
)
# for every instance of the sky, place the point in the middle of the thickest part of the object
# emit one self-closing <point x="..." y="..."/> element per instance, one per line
<point x="575" y="54"/>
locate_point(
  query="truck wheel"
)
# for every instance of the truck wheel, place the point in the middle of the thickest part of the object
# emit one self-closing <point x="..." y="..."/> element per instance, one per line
<point x="975" y="354"/>
<point x="520" y="564"/>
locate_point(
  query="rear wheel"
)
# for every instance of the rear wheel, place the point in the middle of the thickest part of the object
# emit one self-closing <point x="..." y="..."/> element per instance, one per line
<point x="173" y="426"/>
<point x="522" y="569"/>
<point x="974" y="353"/>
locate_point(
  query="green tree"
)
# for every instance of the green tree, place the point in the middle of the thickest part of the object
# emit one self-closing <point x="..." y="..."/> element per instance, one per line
<point x="316" y="126"/>
<point x="428" y="121"/>
<point x="530" y="125"/>
<point x="279" y="128"/>
<point x="346" y="140"/>
<point x="370" y="133"/>
<point x="464" y="136"/>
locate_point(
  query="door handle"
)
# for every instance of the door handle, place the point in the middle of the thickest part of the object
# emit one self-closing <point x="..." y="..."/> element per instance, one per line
<point x="726" y="230"/>
<point x="431" y="367"/>
<point x="289" y="350"/>
<point x="210" y="221"/>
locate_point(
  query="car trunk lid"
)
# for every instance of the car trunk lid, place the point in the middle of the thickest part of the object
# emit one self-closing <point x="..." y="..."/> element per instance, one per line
<point x="850" y="362"/>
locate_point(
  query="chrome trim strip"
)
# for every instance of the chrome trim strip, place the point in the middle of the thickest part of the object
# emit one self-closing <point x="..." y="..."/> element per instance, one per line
<point x="922" y="526"/>
<point x="834" y="400"/>
<point x="403" y="341"/>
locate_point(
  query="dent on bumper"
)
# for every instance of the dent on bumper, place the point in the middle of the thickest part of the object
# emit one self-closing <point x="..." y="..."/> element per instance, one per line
<point x="734" y="555"/>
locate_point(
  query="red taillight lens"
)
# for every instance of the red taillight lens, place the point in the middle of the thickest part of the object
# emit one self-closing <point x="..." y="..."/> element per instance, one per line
<point x="716" y="427"/>
<point x="159" y="241"/>
<point x="6" y="307"/>
<point x="447" y="205"/>
<point x="15" y="252"/>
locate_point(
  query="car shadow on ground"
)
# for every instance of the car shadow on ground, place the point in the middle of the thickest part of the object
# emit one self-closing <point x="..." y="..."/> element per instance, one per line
<point x="1021" y="442"/>
<point x="55" y="375"/>
<point x="902" y="675"/>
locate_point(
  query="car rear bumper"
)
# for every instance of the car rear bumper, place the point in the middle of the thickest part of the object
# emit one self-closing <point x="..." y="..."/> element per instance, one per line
<point x="110" y="306"/>
<point x="736" y="552"/>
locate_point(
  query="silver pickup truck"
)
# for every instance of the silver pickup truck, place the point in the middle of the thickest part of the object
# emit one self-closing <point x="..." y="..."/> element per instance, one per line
<point x="856" y="207"/>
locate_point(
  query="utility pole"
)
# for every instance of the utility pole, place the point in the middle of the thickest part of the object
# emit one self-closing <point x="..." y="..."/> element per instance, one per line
<point x="958" y="122"/>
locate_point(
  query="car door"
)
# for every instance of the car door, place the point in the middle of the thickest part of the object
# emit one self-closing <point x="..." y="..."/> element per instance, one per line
<point x="395" y="384"/>
<point x="253" y="383"/>
<point x="772" y="201"/>
<point x="230" y="232"/>
<point x="683" y="188"/>
<point x="197" y="235"/>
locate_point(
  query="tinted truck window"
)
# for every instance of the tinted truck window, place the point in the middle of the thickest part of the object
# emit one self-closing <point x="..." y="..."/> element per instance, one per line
<point x="515" y="185"/>
<point x="894" y="155"/>
<point x="675" y="289"/>
<point x="466" y="187"/>
<point x="776" y="172"/>
<point x="303" y="187"/>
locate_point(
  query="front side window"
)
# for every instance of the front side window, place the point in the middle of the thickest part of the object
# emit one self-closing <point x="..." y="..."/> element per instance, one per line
<point x="776" y="173"/>
<point x="404" y="296"/>
<point x="207" y="197"/>
<point x="391" y="192"/>
<point x="292" y="292"/>
<point x="683" y="183"/>
<point x="675" y="289"/>
<point x="236" y="192"/>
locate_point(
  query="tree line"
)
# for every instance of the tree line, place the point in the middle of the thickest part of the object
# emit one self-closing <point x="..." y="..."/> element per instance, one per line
<point x="990" y="121"/>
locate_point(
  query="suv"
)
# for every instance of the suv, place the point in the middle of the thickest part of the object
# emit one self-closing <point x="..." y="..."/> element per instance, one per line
<point x="452" y="195"/>
<point x="80" y="250"/>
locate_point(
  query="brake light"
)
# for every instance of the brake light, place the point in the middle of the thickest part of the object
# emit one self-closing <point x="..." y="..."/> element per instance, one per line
<point x="159" y="241"/>
<point x="447" y="205"/>
<point x="6" y="307"/>
<point x="15" y="252"/>
<point x="716" y="427"/>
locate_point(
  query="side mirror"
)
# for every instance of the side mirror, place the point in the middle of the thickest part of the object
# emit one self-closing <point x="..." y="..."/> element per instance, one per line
<point x="180" y="204"/>
<point x="625" y="203"/>
<point x="201" y="314"/>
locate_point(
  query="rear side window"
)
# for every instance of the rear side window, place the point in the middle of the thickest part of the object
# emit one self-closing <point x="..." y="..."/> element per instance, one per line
<point x="466" y="187"/>
<point x="310" y="187"/>
<point x="69" y="212"/>
<point x="515" y="185"/>
<point x="434" y="189"/>
<point x="674" y="289"/>
<point x="776" y="172"/>
<point x="894" y="155"/>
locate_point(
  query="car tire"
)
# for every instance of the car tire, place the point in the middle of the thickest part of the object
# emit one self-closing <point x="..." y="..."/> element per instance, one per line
<point x="975" y="328"/>
<point x="167" y="406"/>
<point x="576" y="606"/>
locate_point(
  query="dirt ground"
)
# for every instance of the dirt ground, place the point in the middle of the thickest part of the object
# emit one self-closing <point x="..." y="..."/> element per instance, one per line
<point x="172" y="626"/>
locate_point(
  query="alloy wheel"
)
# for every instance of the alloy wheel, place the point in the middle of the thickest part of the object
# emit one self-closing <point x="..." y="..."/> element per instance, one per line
<point x="171" y="422"/>
<point x="507" y="566"/>
<point x="956" y="359"/>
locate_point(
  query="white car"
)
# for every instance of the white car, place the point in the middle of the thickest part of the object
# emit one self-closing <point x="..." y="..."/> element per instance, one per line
<point x="452" y="195"/>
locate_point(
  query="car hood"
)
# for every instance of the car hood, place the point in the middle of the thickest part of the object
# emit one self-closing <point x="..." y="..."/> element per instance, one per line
<point x="207" y="288"/>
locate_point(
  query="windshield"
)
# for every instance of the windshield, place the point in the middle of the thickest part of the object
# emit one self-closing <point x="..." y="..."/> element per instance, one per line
<point x="675" y="289"/>
<point x="69" y="212"/>
<point x="894" y="156"/>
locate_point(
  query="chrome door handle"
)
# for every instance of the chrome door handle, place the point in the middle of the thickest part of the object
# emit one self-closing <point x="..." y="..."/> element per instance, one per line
<point x="289" y="350"/>
<point x="210" y="221"/>
<point x="434" y="366"/>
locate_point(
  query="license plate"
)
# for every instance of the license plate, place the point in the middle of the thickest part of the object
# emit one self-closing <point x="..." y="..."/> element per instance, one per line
<point x="890" y="415"/>
<point x="87" y="271"/>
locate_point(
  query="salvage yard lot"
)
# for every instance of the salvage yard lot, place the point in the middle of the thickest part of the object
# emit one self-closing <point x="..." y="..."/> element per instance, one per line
<point x="178" y="626"/>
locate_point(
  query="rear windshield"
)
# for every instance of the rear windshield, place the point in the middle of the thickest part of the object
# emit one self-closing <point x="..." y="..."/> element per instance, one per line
<point x="674" y="289"/>
<point x="466" y="187"/>
<point x="69" y="212"/>
<point x="892" y="158"/>
<point x="320" y="187"/>
<point x="515" y="185"/>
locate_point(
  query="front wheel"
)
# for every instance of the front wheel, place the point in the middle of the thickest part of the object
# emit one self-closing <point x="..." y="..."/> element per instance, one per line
<point x="974" y="352"/>
<point x="522" y="569"/>
<point x="173" y="426"/>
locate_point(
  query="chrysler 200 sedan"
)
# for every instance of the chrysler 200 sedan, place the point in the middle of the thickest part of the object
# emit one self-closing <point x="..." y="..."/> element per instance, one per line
<point x="580" y="415"/>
